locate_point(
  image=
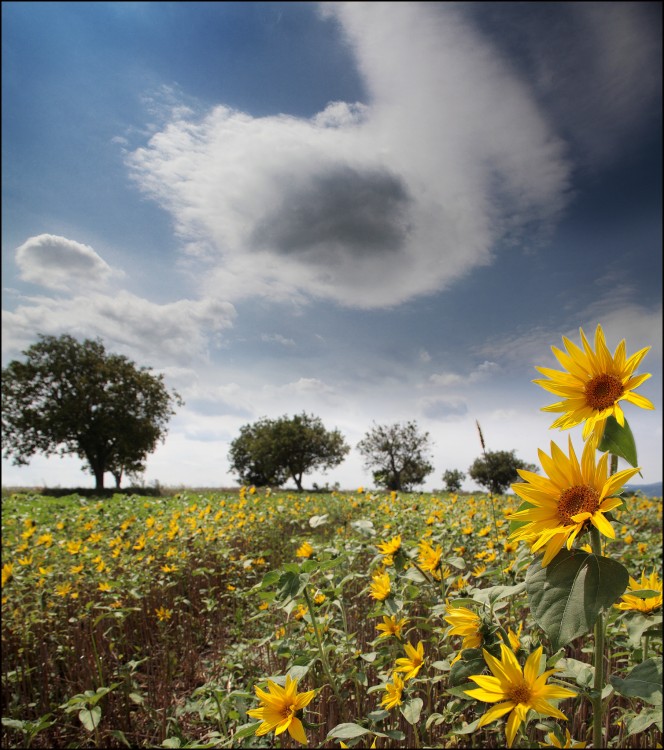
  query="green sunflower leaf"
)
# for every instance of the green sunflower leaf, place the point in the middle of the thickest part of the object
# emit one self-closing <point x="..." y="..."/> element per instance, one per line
<point x="347" y="731"/>
<point x="619" y="441"/>
<point x="644" y="681"/>
<point x="411" y="710"/>
<point x="566" y="597"/>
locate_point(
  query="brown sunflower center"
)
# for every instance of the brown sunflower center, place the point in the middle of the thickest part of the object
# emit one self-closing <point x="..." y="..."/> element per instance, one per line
<point x="579" y="499"/>
<point x="603" y="391"/>
<point x="520" y="693"/>
<point x="288" y="710"/>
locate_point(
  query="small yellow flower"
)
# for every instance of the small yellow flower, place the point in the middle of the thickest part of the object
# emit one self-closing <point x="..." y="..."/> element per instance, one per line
<point x="104" y="586"/>
<point x="7" y="572"/>
<point x="391" y="626"/>
<point x="650" y="602"/>
<point x="430" y="558"/>
<point x="411" y="664"/>
<point x="63" y="589"/>
<point x="516" y="690"/>
<point x="304" y="550"/>
<point x="279" y="709"/>
<point x="393" y="689"/>
<point x="391" y="547"/>
<point x="300" y="611"/>
<point x="163" y="614"/>
<point x="464" y="622"/>
<point x="381" y="587"/>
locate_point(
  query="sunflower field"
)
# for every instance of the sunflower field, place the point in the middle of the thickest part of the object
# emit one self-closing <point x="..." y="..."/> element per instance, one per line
<point x="362" y="619"/>
<point x="143" y="622"/>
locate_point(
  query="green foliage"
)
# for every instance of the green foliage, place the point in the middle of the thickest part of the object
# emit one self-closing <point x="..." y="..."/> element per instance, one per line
<point x="567" y="596"/>
<point x="453" y="479"/>
<point x="71" y="397"/>
<point x="399" y="453"/>
<point x="619" y="441"/>
<point x="496" y="470"/>
<point x="270" y="451"/>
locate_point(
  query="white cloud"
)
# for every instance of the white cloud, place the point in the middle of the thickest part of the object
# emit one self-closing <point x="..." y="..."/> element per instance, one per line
<point x="365" y="205"/>
<point x="58" y="263"/>
<point x="166" y="334"/>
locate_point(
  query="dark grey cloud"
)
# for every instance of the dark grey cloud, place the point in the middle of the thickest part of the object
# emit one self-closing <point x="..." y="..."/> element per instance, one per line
<point x="341" y="210"/>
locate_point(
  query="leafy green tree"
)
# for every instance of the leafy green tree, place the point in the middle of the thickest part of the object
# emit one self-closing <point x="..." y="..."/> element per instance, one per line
<point x="74" y="398"/>
<point x="272" y="450"/>
<point x="453" y="479"/>
<point x="497" y="470"/>
<point x="253" y="457"/>
<point x="399" y="454"/>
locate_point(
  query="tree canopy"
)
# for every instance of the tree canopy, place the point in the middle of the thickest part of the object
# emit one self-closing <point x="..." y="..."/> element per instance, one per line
<point x="399" y="454"/>
<point x="270" y="451"/>
<point x="453" y="479"/>
<point x="497" y="470"/>
<point x="69" y="397"/>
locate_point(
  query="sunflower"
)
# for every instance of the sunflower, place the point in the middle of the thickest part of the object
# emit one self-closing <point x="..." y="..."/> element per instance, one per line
<point x="391" y="626"/>
<point x="516" y="691"/>
<point x="465" y="622"/>
<point x="430" y="558"/>
<point x="592" y="384"/>
<point x="566" y="501"/>
<point x="648" y="603"/>
<point x="411" y="664"/>
<point x="381" y="587"/>
<point x="393" y="689"/>
<point x="391" y="547"/>
<point x="279" y="708"/>
<point x="304" y="550"/>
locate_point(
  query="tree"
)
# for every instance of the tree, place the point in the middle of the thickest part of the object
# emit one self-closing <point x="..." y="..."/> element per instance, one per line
<point x="496" y="470"/>
<point x="273" y="450"/>
<point x="399" y="453"/>
<point x="253" y="457"/>
<point x="74" y="398"/>
<point x="453" y="479"/>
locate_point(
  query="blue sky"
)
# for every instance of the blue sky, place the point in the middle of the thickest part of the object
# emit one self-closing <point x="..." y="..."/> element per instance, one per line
<point x="373" y="212"/>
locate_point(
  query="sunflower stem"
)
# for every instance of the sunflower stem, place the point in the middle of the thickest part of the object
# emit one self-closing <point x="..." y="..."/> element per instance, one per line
<point x="598" y="685"/>
<point x="321" y="650"/>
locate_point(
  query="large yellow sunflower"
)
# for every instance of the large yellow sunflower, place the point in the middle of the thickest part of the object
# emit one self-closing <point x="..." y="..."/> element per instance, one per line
<point x="515" y="691"/>
<point x="279" y="708"/>
<point x="592" y="384"/>
<point x="572" y="496"/>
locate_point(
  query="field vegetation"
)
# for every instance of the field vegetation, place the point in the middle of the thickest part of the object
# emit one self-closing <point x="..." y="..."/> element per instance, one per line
<point x="137" y="621"/>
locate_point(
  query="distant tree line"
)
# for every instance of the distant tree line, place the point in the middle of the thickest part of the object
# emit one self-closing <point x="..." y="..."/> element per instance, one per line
<point x="69" y="397"/>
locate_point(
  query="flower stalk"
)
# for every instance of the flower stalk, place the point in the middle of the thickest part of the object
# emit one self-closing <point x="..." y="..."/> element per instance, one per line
<point x="321" y="650"/>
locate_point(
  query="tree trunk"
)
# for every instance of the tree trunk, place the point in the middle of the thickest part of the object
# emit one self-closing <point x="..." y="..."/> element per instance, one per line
<point x="99" y="478"/>
<point x="298" y="482"/>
